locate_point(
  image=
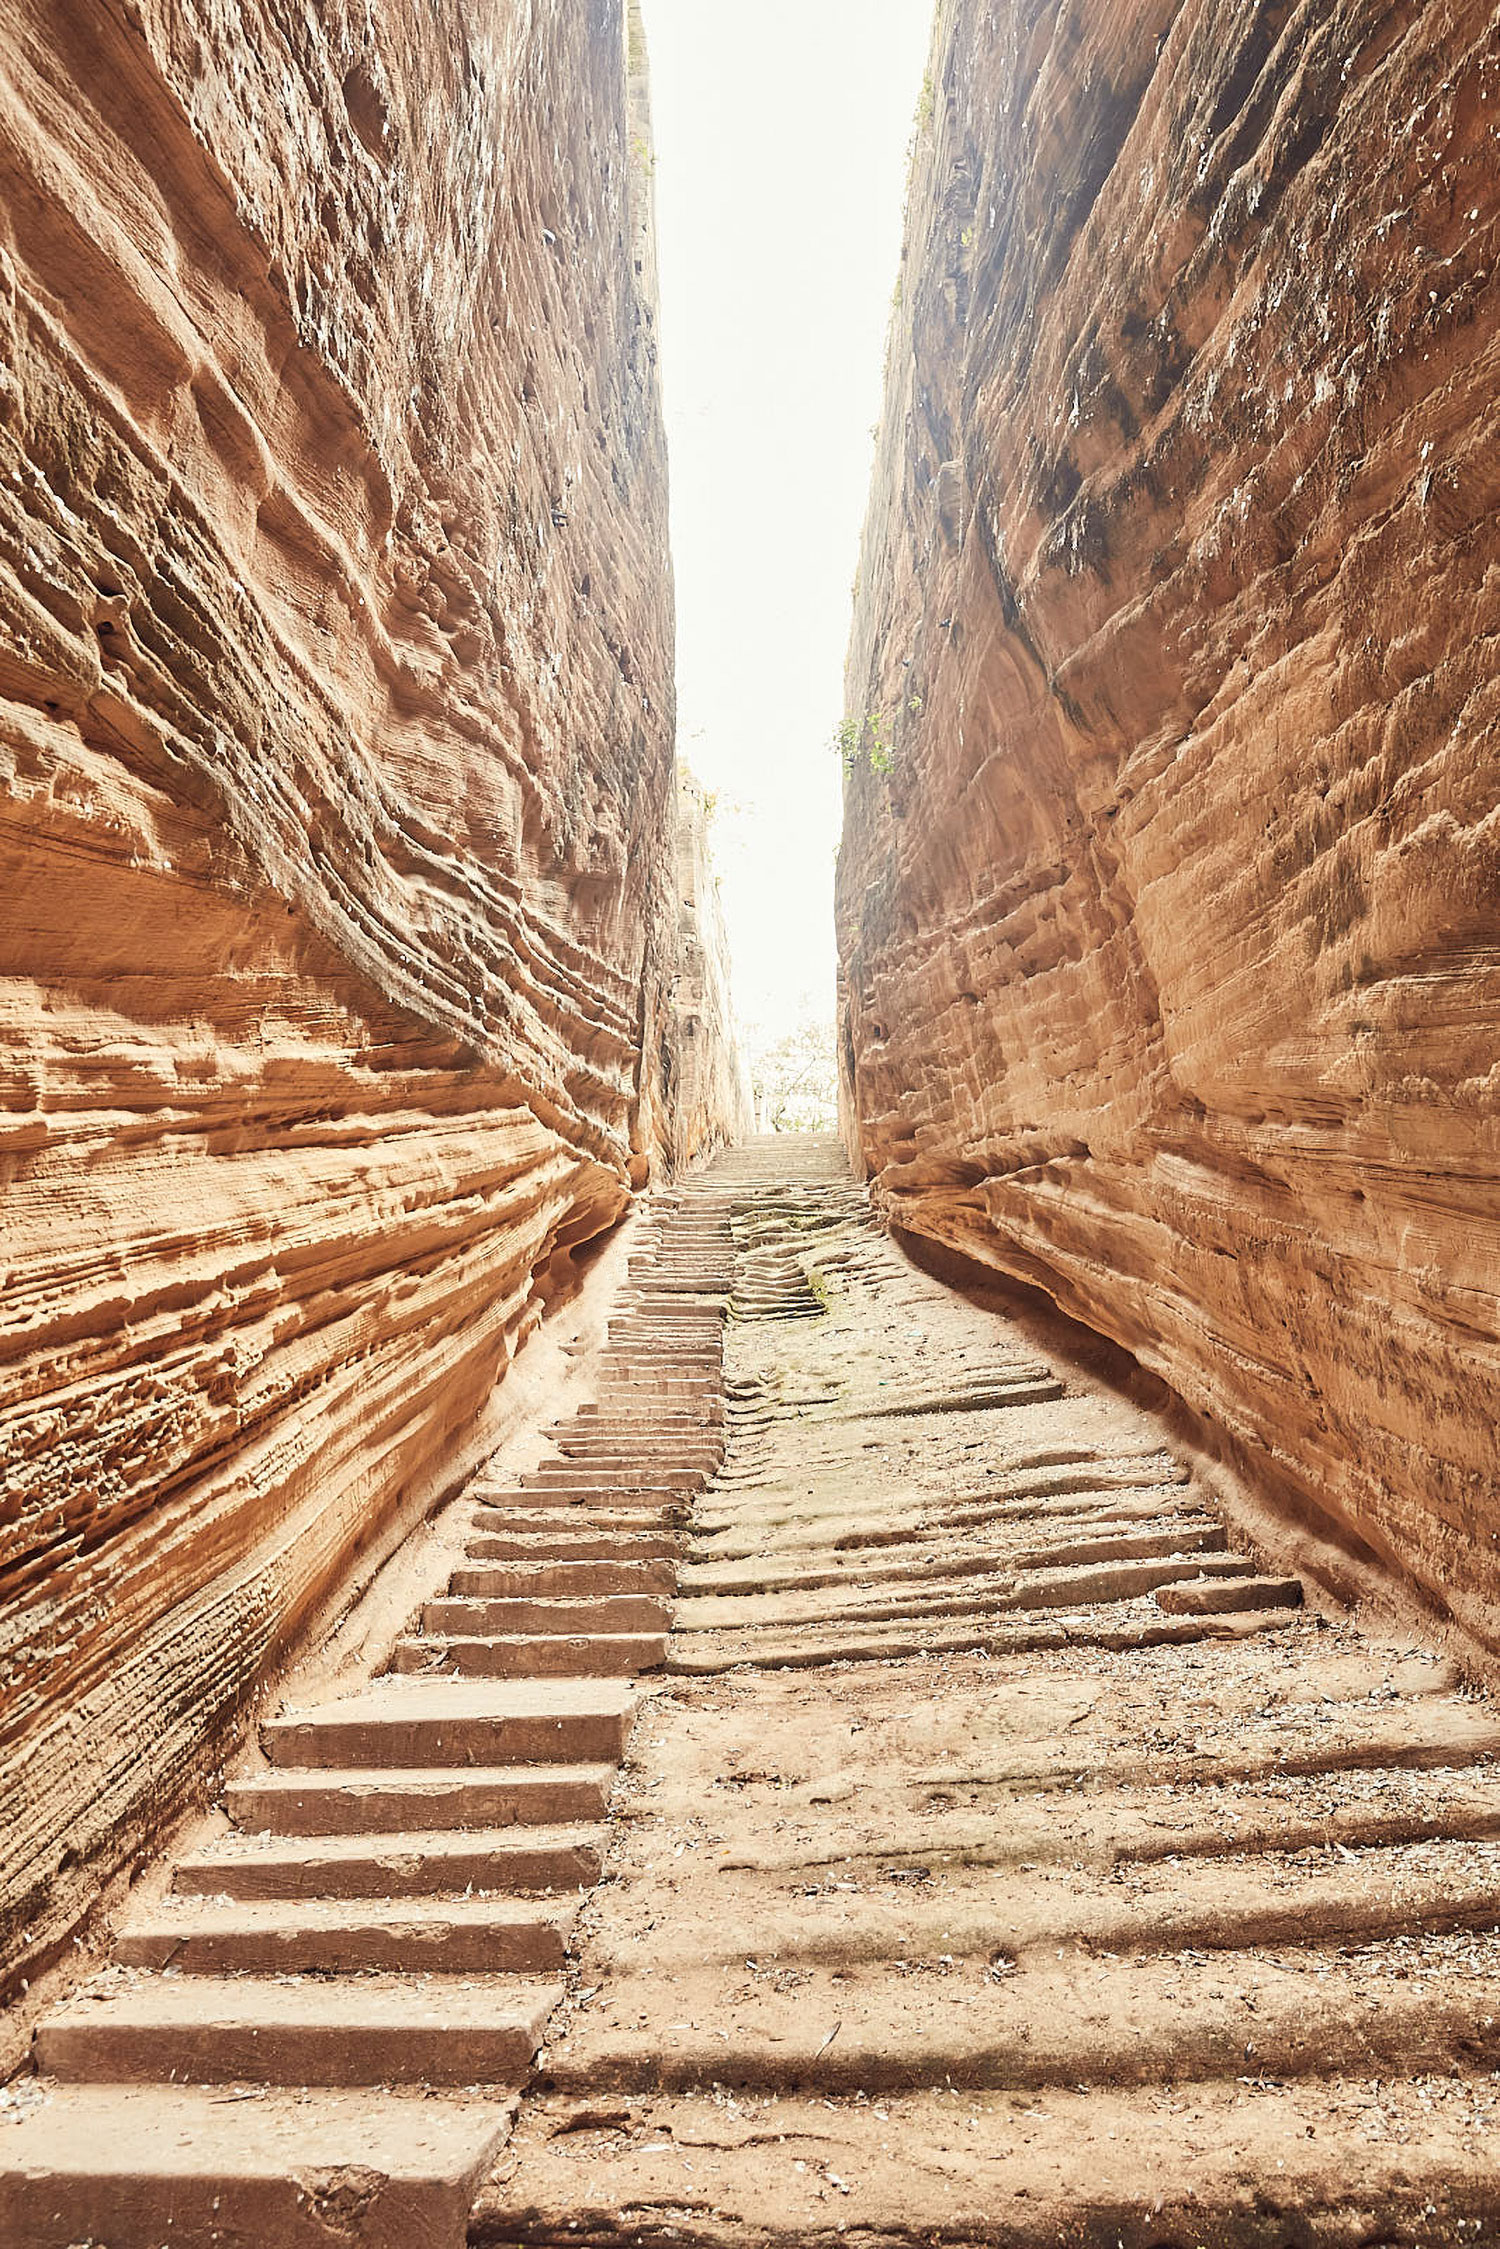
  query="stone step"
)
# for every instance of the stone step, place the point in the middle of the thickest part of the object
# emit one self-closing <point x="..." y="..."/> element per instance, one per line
<point x="613" y="1447"/>
<point x="535" y="1656"/>
<point x="599" y="1420"/>
<point x="639" y="1382"/>
<point x="570" y="1546"/>
<point x="406" y="1723"/>
<point x="631" y="1506"/>
<point x="986" y="1594"/>
<point x="419" y="1863"/>
<point x="895" y="1641"/>
<point x="133" y="2167"/>
<point x="926" y="1563"/>
<point x="1136" y="2021"/>
<point x="545" y="1514"/>
<point x="624" y="1389"/>
<point x="1102" y="1583"/>
<point x="624" y="1527"/>
<point x="628" y="1502"/>
<point x="617" y="1429"/>
<point x="644" y="1479"/>
<point x="1209" y="1596"/>
<point x="217" y="1936"/>
<point x="608" y="1614"/>
<point x="324" y="1801"/>
<point x="685" y="1381"/>
<point x="261" y="2030"/>
<point x="566" y="1575"/>
<point x="1248" y="2163"/>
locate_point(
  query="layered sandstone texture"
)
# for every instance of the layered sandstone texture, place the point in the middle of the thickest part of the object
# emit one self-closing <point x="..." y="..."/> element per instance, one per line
<point x="1168" y="894"/>
<point x="336" y="820"/>
<point x="706" y="1085"/>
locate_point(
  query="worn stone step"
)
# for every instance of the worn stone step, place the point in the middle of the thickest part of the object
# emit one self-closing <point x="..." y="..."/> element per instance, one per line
<point x="423" y="1863"/>
<point x="468" y="1616"/>
<point x="132" y="2167"/>
<point x="706" y="1419"/>
<point x="261" y="2030"/>
<point x="650" y="1464"/>
<point x="404" y="1723"/>
<point x="573" y="1490"/>
<point x="571" y="1547"/>
<point x="673" y="1351"/>
<point x="540" y="1517"/>
<point x="1225" y="1904"/>
<point x="642" y="1481"/>
<point x="324" y="1801"/>
<point x="535" y="1656"/>
<point x="1102" y="2023"/>
<point x="566" y="1575"/>
<point x="987" y="1594"/>
<point x="923" y="1563"/>
<point x="1204" y="1595"/>
<point x="1100" y="1584"/>
<point x="1252" y="2165"/>
<point x="625" y="1430"/>
<point x="697" y="1654"/>
<point x="395" y="1936"/>
<point x="625" y="1384"/>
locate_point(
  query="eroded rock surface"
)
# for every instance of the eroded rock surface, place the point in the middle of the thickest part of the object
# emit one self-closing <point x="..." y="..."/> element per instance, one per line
<point x="707" y="1087"/>
<point x="336" y="820"/>
<point x="1168" y="889"/>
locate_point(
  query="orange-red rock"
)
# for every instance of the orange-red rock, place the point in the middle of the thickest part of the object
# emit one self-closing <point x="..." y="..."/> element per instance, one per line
<point x="1171" y="937"/>
<point x="336" y="820"/>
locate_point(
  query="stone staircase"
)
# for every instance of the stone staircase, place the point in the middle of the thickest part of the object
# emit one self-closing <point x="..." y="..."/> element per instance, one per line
<point x="315" y="2035"/>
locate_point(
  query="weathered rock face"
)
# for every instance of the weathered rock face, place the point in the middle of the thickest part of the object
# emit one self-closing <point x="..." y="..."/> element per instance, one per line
<point x="708" y="1092"/>
<point x="336" y="819"/>
<point x="1171" y="937"/>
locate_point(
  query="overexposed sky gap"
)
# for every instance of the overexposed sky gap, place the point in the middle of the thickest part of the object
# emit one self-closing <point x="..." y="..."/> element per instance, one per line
<point x="781" y="135"/>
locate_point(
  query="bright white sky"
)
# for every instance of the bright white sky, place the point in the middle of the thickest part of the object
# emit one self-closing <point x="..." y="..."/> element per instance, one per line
<point x="781" y="133"/>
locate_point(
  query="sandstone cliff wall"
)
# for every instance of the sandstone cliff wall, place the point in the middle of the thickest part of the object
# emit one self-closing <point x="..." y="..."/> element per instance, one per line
<point x="708" y="1089"/>
<point x="1171" y="936"/>
<point x="336" y="820"/>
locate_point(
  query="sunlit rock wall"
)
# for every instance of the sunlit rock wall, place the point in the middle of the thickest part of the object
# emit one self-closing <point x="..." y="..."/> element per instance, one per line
<point x="1171" y="936"/>
<point x="336" y="824"/>
<point x="708" y="1092"/>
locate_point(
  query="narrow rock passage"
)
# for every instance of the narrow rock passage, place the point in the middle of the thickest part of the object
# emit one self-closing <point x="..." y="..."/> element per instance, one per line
<point x="1008" y="1857"/>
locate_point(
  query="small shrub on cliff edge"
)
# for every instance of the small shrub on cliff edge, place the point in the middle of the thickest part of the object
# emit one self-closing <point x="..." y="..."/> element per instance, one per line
<point x="864" y="741"/>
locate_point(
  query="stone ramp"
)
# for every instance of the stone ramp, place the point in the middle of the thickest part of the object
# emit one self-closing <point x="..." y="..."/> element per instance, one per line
<point x="1009" y="1855"/>
<point x="316" y="2035"/>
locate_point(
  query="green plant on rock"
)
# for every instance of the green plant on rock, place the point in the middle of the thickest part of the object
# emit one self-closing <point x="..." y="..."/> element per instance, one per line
<point x="864" y="741"/>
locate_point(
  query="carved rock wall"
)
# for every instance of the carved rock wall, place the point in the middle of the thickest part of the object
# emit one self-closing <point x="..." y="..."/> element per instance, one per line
<point x="336" y="820"/>
<point x="1171" y="936"/>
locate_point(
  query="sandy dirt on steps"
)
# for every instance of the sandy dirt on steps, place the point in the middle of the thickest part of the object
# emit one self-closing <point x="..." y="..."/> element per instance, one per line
<point x="961" y="1892"/>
